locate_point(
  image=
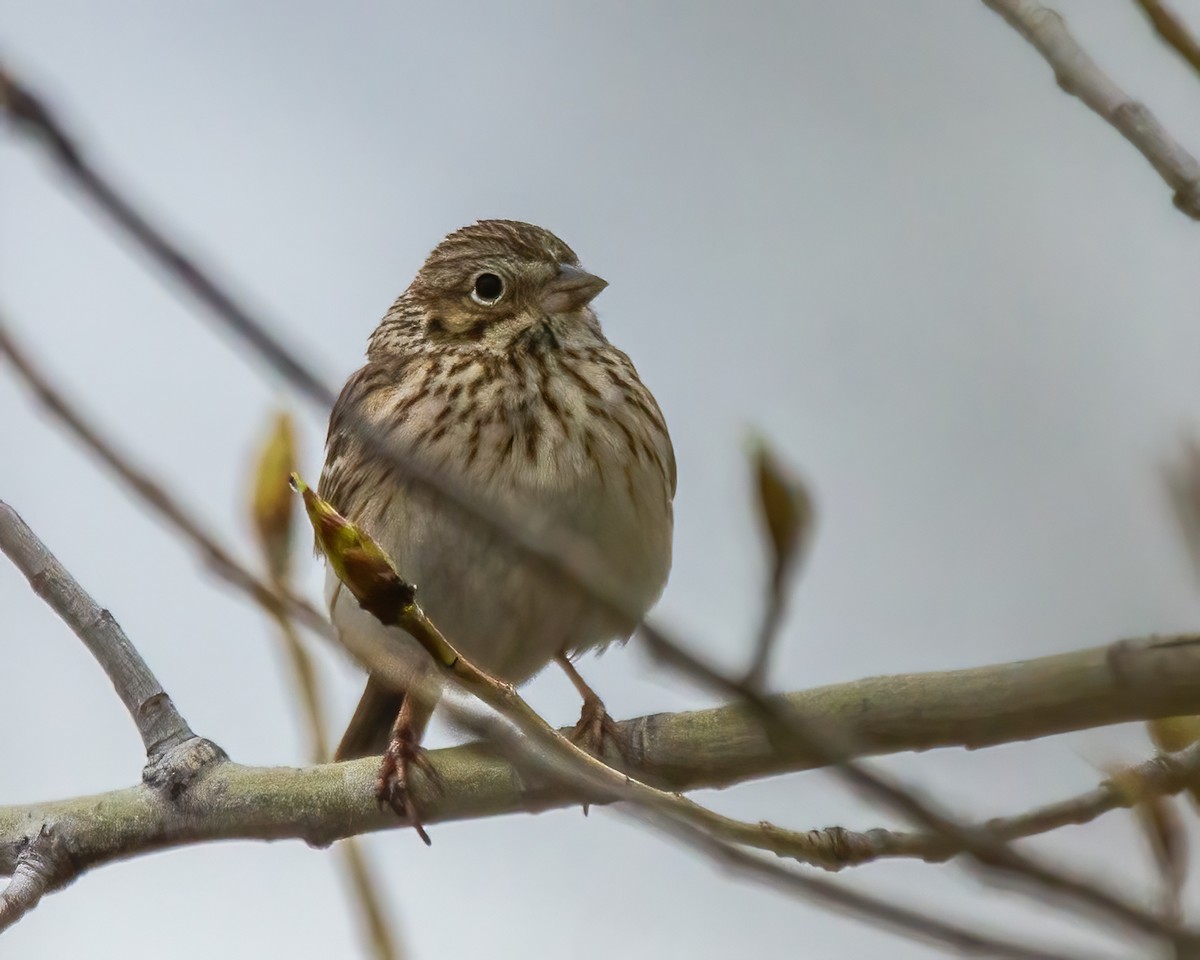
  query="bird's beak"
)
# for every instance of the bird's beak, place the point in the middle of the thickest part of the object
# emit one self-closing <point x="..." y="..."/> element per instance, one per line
<point x="571" y="289"/>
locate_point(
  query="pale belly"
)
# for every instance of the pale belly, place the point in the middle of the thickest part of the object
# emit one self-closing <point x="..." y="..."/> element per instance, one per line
<point x="505" y="611"/>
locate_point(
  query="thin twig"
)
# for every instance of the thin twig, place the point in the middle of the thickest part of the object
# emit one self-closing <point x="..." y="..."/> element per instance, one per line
<point x="569" y="555"/>
<point x="159" y="723"/>
<point x="724" y="852"/>
<point x="1173" y="31"/>
<point x="984" y="848"/>
<point x="966" y="941"/>
<point x="153" y="494"/>
<point x="372" y="578"/>
<point x="1079" y="76"/>
<point x="1162" y="775"/>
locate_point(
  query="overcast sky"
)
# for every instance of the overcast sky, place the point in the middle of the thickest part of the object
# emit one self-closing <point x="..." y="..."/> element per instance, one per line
<point x="877" y="232"/>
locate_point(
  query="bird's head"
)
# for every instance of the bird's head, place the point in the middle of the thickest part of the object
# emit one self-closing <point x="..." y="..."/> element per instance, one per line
<point x="501" y="284"/>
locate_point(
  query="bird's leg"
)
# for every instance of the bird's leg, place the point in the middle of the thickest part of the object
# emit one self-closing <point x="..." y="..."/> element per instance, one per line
<point x="404" y="751"/>
<point x="595" y="728"/>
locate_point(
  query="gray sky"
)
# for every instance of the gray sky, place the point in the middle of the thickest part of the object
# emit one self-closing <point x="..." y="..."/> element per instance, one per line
<point x="875" y="231"/>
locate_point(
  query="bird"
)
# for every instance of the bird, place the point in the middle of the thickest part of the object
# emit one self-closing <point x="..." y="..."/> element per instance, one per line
<point x="492" y="371"/>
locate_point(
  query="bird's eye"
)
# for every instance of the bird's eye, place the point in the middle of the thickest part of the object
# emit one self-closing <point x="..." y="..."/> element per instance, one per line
<point x="488" y="289"/>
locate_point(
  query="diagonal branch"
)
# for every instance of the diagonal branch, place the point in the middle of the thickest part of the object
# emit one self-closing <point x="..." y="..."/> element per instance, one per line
<point x="985" y="849"/>
<point x="369" y="574"/>
<point x="1173" y="31"/>
<point x="161" y="726"/>
<point x="271" y="597"/>
<point x="1079" y="76"/>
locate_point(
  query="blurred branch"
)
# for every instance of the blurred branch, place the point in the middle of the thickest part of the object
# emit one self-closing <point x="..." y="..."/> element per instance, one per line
<point x="153" y="494"/>
<point x="883" y="912"/>
<point x="272" y="508"/>
<point x="963" y="940"/>
<point x="1079" y="76"/>
<point x="1173" y="31"/>
<point x="836" y="748"/>
<point x="717" y="747"/>
<point x="568" y="554"/>
<point x="369" y="574"/>
<point x="157" y="720"/>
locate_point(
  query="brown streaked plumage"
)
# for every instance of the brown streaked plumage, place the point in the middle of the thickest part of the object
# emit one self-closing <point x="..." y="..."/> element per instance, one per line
<point x="492" y="369"/>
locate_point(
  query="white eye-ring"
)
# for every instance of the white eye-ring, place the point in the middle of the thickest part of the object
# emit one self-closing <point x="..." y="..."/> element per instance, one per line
<point x="487" y="289"/>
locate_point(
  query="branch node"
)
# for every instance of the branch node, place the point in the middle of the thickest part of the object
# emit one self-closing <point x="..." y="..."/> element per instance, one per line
<point x="42" y="866"/>
<point x="174" y="769"/>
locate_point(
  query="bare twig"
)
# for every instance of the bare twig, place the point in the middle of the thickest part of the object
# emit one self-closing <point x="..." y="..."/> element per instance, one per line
<point x="1079" y="76"/>
<point x="161" y="726"/>
<point x="1173" y="31"/>
<point x="964" y="940"/>
<point x="566" y="554"/>
<point x="153" y="494"/>
<point x="370" y="576"/>
<point x="723" y="851"/>
<point x="984" y="848"/>
<point x="272" y="510"/>
<point x="704" y="748"/>
<point x="1162" y="775"/>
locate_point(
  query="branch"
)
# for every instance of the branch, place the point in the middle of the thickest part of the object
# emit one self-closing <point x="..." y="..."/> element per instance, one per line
<point x="1173" y="31"/>
<point x="1079" y="76"/>
<point x="563" y="552"/>
<point x="369" y="574"/>
<point x="154" y="495"/>
<point x="272" y="510"/>
<point x="837" y="748"/>
<point x="708" y="748"/>
<point x="161" y="726"/>
<point x="1163" y="775"/>
<point x="717" y="747"/>
<point x="966" y="941"/>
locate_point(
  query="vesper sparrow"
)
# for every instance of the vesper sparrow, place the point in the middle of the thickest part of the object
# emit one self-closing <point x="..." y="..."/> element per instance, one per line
<point x="492" y="368"/>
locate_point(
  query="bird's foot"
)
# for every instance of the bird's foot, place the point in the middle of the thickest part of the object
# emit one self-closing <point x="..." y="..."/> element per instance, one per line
<point x="404" y="753"/>
<point x="596" y="730"/>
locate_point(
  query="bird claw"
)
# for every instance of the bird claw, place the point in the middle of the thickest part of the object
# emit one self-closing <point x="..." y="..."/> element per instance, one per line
<point x="596" y="730"/>
<point x="403" y="754"/>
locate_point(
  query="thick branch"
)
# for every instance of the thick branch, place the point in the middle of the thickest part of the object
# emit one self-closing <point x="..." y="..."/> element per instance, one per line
<point x="1134" y="680"/>
<point x="159" y="723"/>
<point x="1079" y="76"/>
